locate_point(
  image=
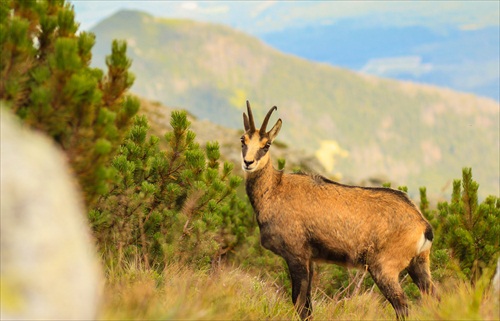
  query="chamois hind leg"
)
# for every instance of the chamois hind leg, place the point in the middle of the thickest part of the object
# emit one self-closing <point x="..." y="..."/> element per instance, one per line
<point x="308" y="298"/>
<point x="388" y="283"/>
<point x="420" y="273"/>
<point x="301" y="275"/>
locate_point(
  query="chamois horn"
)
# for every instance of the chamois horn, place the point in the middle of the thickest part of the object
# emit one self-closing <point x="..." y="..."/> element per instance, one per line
<point x="262" y="130"/>
<point x="248" y="120"/>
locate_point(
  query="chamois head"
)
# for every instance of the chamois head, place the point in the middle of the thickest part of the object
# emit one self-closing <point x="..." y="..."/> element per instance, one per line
<point x="255" y="143"/>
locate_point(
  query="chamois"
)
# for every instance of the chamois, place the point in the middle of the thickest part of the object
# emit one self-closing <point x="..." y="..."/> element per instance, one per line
<point x="308" y="218"/>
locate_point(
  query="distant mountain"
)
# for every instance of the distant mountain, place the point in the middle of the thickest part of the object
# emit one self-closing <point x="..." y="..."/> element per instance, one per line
<point x="359" y="126"/>
<point x="466" y="59"/>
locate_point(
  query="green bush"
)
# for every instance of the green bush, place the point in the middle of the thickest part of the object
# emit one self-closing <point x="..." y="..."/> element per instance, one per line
<point x="170" y="205"/>
<point x="466" y="230"/>
<point x="47" y="80"/>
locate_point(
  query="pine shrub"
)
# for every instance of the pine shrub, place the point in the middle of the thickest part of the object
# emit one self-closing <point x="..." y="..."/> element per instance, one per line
<point x="466" y="231"/>
<point x="47" y="80"/>
<point x="178" y="204"/>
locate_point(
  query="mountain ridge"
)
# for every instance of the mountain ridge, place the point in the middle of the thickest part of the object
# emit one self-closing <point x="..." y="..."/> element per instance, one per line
<point x="443" y="57"/>
<point x="362" y="126"/>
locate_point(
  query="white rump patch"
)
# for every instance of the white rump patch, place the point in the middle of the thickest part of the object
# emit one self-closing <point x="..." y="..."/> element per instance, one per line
<point x="423" y="244"/>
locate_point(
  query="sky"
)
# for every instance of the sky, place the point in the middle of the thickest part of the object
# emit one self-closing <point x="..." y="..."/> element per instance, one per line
<point x="257" y="17"/>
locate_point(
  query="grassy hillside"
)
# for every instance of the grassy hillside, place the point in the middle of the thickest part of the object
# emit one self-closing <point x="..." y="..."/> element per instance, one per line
<point x="359" y="126"/>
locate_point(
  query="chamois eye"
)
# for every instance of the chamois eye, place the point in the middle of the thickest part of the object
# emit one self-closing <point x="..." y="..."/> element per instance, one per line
<point x="242" y="141"/>
<point x="266" y="147"/>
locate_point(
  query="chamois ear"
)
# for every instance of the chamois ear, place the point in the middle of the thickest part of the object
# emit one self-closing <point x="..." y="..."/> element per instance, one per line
<point x="275" y="130"/>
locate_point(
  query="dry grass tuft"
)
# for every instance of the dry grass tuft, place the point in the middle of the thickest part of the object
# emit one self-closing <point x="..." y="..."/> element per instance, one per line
<point x="182" y="293"/>
<point x="233" y="294"/>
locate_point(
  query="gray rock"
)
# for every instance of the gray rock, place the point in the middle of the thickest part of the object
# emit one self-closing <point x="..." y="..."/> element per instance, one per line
<point x="48" y="267"/>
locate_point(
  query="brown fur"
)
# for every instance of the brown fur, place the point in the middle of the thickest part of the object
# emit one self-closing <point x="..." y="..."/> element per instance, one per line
<point x="308" y="218"/>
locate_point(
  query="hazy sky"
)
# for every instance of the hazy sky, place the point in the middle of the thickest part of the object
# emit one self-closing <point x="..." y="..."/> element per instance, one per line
<point x="262" y="16"/>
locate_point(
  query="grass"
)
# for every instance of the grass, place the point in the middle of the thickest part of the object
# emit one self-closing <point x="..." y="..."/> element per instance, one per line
<point x="182" y="293"/>
<point x="462" y="301"/>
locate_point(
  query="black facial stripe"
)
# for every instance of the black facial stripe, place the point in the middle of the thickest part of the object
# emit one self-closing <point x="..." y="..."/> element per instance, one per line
<point x="244" y="150"/>
<point x="260" y="154"/>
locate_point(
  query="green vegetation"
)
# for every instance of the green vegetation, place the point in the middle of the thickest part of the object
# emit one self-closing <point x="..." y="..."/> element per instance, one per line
<point x="465" y="228"/>
<point x="47" y="81"/>
<point x="174" y="205"/>
<point x="176" y="235"/>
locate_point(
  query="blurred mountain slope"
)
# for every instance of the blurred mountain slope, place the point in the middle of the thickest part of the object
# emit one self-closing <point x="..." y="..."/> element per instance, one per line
<point x="361" y="126"/>
<point x="462" y="58"/>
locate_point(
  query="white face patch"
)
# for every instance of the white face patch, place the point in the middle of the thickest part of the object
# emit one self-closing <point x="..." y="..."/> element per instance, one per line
<point x="423" y="244"/>
<point x="253" y="153"/>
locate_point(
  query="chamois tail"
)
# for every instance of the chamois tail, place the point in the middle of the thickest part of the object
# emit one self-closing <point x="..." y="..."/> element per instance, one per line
<point x="425" y="241"/>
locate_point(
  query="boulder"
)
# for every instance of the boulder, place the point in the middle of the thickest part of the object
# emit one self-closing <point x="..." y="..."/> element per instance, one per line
<point x="49" y="268"/>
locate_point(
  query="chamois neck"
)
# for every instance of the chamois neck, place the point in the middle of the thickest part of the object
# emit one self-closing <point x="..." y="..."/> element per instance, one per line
<point x="260" y="183"/>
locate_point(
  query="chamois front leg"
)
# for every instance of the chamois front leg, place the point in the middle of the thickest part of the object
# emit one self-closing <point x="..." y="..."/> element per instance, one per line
<point x="301" y="273"/>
